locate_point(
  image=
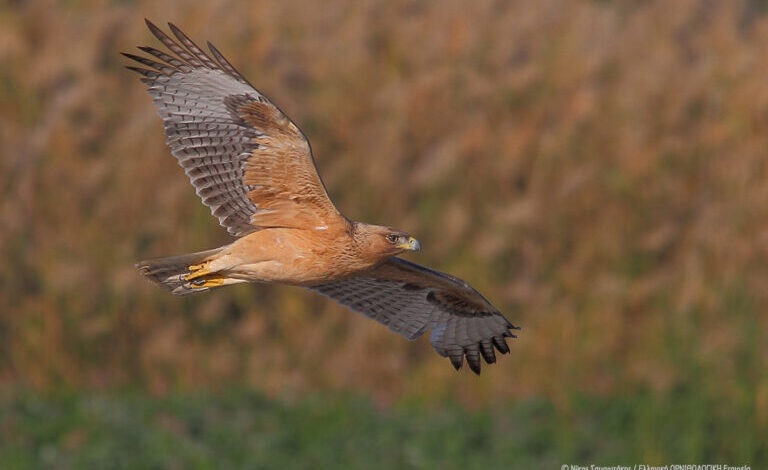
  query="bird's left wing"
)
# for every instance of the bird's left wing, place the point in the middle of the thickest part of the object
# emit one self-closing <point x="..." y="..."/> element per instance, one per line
<point x="248" y="162"/>
<point x="411" y="299"/>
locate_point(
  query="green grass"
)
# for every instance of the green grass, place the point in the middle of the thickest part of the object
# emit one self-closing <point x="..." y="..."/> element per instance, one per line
<point x="247" y="430"/>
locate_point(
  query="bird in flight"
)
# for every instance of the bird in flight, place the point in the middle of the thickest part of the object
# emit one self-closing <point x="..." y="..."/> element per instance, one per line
<point x="254" y="169"/>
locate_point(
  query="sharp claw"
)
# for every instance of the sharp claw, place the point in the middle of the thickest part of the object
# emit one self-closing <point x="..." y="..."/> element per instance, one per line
<point x="197" y="271"/>
<point x="204" y="283"/>
<point x="196" y="275"/>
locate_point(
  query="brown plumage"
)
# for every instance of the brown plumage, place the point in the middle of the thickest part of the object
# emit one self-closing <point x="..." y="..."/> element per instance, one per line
<point x="254" y="169"/>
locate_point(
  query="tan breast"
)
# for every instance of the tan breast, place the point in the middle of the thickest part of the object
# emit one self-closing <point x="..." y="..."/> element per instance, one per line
<point x="295" y="256"/>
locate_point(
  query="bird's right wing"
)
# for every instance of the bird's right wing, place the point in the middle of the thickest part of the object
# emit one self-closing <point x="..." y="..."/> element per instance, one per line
<point x="411" y="299"/>
<point x="248" y="162"/>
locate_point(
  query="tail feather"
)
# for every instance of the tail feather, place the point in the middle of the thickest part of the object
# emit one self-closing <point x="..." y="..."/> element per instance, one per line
<point x="171" y="272"/>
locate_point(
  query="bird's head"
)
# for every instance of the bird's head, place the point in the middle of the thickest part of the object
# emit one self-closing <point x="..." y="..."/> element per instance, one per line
<point x="382" y="242"/>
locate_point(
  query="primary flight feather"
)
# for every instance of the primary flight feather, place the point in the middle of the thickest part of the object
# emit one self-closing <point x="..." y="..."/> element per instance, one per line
<point x="254" y="169"/>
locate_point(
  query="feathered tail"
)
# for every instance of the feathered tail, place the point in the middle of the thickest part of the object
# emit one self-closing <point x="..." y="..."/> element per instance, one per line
<point x="171" y="272"/>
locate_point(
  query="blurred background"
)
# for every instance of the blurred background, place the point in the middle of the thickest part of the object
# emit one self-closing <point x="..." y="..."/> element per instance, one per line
<point x="597" y="169"/>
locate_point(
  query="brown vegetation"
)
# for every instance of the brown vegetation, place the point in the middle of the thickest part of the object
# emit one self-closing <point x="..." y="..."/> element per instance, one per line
<point x="597" y="169"/>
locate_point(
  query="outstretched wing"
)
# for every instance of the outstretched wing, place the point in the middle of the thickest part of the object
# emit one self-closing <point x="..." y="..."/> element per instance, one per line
<point x="411" y="299"/>
<point x="247" y="161"/>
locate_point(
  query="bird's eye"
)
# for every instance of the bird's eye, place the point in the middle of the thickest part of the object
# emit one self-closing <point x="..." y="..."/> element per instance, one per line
<point x="392" y="238"/>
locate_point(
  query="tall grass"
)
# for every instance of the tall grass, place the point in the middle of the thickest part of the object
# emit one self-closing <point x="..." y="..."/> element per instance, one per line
<point x="597" y="169"/>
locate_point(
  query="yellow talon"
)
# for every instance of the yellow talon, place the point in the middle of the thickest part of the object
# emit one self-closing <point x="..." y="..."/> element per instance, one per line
<point x="196" y="267"/>
<point x="197" y="271"/>
<point x="210" y="282"/>
<point x="197" y="274"/>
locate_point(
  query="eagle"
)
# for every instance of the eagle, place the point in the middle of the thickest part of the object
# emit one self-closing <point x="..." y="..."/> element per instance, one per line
<point x="253" y="167"/>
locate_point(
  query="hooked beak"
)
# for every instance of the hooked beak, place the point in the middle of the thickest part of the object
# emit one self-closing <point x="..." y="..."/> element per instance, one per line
<point x="412" y="245"/>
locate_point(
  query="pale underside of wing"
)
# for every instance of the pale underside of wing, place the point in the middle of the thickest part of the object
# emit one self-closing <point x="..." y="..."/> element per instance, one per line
<point x="411" y="299"/>
<point x="248" y="162"/>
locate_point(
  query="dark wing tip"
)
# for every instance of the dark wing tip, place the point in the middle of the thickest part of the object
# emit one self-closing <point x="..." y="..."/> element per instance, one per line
<point x="150" y="74"/>
<point x="152" y="27"/>
<point x="501" y="344"/>
<point x="473" y="358"/>
<point x="174" y="28"/>
<point x="474" y="364"/>
<point x="225" y="65"/>
<point x="457" y="360"/>
<point x="193" y="48"/>
<point x="487" y="351"/>
<point x="146" y="62"/>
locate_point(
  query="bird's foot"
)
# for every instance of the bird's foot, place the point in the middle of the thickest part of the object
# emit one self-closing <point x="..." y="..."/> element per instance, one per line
<point x="197" y="271"/>
<point x="203" y="283"/>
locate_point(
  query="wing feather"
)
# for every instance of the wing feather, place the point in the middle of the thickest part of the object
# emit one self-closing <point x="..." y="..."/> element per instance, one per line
<point x="165" y="57"/>
<point x="248" y="162"/>
<point x="192" y="47"/>
<point x="410" y="299"/>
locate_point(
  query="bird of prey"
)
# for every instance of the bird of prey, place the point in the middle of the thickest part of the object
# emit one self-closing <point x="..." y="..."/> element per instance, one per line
<point x="254" y="169"/>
